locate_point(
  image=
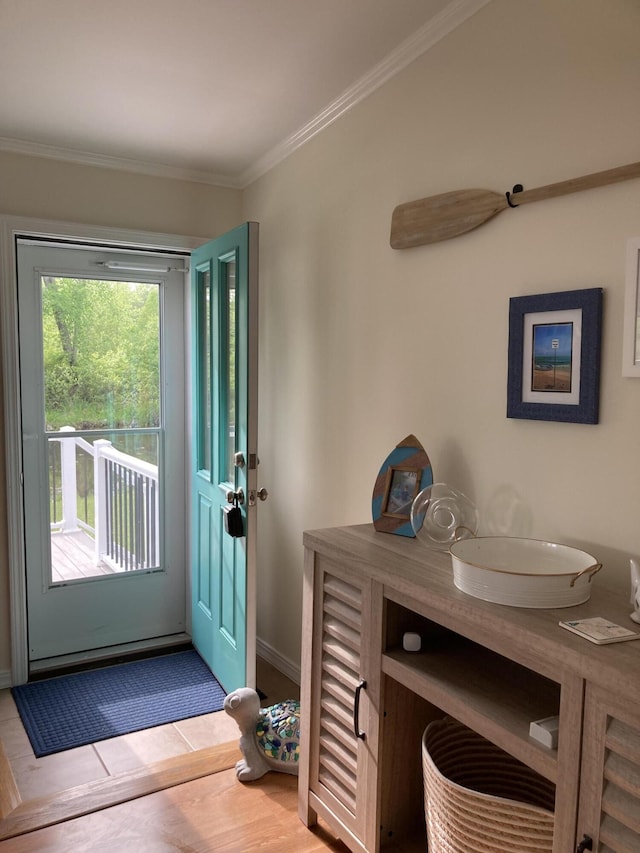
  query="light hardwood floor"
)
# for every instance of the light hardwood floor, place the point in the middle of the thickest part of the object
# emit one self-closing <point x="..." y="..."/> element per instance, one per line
<point x="215" y="813"/>
<point x="160" y="761"/>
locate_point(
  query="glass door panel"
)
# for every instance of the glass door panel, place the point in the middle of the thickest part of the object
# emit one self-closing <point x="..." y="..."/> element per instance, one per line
<point x="101" y="369"/>
<point x="104" y="503"/>
<point x="101" y="353"/>
<point x="229" y="361"/>
<point x="204" y="367"/>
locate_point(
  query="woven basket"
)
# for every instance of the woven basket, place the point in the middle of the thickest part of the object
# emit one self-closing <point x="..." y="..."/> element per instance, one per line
<point x="479" y="799"/>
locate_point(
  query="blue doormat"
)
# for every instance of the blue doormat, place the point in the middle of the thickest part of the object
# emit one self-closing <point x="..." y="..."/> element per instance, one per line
<point x="74" y="710"/>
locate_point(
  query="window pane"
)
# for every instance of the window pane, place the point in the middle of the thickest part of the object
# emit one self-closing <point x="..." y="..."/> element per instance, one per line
<point x="101" y="347"/>
<point x="104" y="503"/>
<point x="230" y="321"/>
<point x="204" y="358"/>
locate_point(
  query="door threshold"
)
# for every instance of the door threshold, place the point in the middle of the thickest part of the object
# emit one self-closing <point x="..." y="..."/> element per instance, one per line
<point x="19" y="818"/>
<point x="111" y="654"/>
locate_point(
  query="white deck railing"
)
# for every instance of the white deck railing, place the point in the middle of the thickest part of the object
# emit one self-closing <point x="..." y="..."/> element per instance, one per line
<point x="125" y="524"/>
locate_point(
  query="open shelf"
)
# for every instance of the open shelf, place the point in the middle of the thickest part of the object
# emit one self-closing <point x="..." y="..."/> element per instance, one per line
<point x="485" y="691"/>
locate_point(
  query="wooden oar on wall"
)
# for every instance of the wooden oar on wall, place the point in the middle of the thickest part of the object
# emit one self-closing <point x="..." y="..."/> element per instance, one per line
<point x="440" y="217"/>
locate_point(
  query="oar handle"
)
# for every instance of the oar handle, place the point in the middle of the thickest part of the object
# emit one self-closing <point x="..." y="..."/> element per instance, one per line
<point x="574" y="185"/>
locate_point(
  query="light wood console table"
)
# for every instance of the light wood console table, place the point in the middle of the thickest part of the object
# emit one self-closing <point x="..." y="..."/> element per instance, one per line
<point x="365" y="702"/>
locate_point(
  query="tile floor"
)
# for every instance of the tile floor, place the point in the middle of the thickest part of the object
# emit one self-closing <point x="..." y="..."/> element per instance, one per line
<point x="37" y="777"/>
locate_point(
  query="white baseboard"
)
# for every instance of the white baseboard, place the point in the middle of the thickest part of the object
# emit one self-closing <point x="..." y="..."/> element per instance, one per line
<point x="281" y="663"/>
<point x="5" y="679"/>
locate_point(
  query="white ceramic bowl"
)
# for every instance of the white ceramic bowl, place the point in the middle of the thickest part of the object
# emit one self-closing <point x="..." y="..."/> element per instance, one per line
<point x="523" y="572"/>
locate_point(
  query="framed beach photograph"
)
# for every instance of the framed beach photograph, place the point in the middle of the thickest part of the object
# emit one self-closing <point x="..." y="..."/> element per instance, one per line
<point x="554" y="356"/>
<point x="402" y="488"/>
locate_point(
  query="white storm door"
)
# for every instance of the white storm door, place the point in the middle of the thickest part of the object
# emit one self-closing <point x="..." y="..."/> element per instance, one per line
<point x="101" y="339"/>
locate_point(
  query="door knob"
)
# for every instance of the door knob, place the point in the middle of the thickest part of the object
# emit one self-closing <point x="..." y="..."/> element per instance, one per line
<point x="232" y="496"/>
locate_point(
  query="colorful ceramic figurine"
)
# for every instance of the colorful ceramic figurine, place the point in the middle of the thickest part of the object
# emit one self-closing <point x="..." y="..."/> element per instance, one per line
<point x="635" y="589"/>
<point x="269" y="737"/>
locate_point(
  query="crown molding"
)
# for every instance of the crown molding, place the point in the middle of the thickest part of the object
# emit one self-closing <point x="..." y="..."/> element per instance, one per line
<point x="122" y="164"/>
<point x="454" y="14"/>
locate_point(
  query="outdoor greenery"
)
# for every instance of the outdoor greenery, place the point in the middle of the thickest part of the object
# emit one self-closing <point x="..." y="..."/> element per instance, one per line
<point x="101" y="353"/>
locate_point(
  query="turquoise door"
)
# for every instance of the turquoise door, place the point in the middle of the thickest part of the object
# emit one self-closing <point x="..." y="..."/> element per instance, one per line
<point x="224" y="463"/>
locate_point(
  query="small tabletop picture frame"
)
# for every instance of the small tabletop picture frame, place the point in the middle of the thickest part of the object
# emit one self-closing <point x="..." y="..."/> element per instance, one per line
<point x="554" y="356"/>
<point x="404" y="473"/>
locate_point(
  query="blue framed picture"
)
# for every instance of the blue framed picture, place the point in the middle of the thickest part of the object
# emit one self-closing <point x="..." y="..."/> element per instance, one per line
<point x="554" y="356"/>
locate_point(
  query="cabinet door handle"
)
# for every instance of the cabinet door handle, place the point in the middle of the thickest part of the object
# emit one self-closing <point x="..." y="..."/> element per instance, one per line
<point x="356" y="710"/>
<point x="585" y="844"/>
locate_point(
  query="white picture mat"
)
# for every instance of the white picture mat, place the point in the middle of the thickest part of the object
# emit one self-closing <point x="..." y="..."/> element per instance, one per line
<point x="566" y="398"/>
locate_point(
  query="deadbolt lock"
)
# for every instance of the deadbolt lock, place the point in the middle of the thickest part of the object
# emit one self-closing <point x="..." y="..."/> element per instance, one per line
<point x="254" y="496"/>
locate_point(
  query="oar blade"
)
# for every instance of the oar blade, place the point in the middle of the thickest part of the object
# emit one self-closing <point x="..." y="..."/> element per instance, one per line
<point x="441" y="217"/>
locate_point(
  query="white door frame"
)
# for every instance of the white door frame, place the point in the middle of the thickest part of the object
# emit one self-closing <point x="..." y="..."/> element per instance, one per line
<point x="10" y="227"/>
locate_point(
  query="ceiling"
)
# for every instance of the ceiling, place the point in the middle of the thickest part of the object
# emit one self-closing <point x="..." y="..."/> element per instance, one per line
<point x="210" y="90"/>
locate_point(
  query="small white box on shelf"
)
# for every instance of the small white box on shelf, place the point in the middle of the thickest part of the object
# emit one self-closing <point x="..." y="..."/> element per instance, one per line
<point x="545" y="731"/>
<point x="411" y="642"/>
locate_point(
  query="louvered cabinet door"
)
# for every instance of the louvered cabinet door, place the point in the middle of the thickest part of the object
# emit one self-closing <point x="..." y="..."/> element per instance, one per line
<point x="344" y="676"/>
<point x="610" y="780"/>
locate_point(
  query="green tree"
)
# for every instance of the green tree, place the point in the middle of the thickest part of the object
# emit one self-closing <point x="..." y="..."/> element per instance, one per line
<point x="101" y="353"/>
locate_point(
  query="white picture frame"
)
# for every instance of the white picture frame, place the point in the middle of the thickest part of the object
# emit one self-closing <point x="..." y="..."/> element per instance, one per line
<point x="631" y="328"/>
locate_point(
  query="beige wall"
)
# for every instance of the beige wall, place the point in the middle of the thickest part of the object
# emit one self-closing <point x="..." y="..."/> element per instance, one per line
<point x="47" y="189"/>
<point x="361" y="345"/>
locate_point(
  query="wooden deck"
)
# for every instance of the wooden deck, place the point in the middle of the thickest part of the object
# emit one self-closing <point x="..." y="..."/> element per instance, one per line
<point x="72" y="557"/>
